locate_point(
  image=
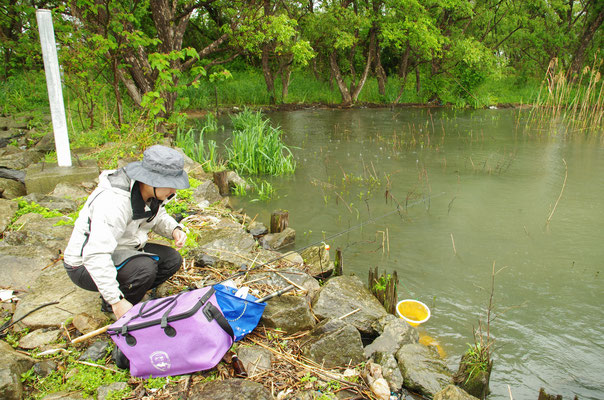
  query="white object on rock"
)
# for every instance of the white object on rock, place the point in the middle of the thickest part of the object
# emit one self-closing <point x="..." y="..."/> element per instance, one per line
<point x="380" y="388"/>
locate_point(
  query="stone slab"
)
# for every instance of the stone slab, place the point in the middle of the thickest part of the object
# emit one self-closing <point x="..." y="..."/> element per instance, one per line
<point x="43" y="177"/>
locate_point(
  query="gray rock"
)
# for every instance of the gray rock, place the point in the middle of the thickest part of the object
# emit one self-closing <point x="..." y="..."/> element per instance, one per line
<point x="344" y="294"/>
<point x="15" y="122"/>
<point x="318" y="262"/>
<point x="13" y="258"/>
<point x="96" y="352"/>
<point x="15" y="175"/>
<point x="64" y="396"/>
<point x="390" y="370"/>
<point x="11" y="189"/>
<point x="229" y="389"/>
<point x="12" y="364"/>
<point x="60" y="204"/>
<point x="235" y="180"/>
<point x="7" y="211"/>
<point x="69" y="191"/>
<point x="46" y="144"/>
<point x="39" y="338"/>
<point x="283" y="278"/>
<point x="34" y="229"/>
<point x="394" y="333"/>
<point x="104" y="391"/>
<point x="257" y="229"/>
<point x="45" y="368"/>
<point x="275" y="241"/>
<point x="423" y="370"/>
<point x="293" y="258"/>
<point x="85" y="323"/>
<point x="228" y="242"/>
<point x="54" y="285"/>
<point x="20" y="160"/>
<point x="207" y="191"/>
<point x="289" y="313"/>
<point x="453" y="392"/>
<point x="255" y="359"/>
<point x="334" y="343"/>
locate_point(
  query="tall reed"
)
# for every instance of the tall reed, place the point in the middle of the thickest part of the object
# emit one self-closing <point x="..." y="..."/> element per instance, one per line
<point x="575" y="100"/>
<point x="257" y="148"/>
<point x="192" y="142"/>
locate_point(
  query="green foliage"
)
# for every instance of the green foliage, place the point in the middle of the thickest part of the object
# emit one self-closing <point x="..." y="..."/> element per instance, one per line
<point x="26" y="207"/>
<point x="257" y="148"/>
<point x="192" y="143"/>
<point x="476" y="360"/>
<point x="156" y="383"/>
<point x="86" y="380"/>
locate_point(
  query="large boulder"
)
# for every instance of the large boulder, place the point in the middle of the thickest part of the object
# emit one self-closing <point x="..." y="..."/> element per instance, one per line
<point x="69" y="191"/>
<point x="423" y="370"/>
<point x="10" y="189"/>
<point x="229" y="389"/>
<point x="452" y="392"/>
<point x="20" y="159"/>
<point x="21" y="265"/>
<point x="61" y="204"/>
<point x="334" y="343"/>
<point x="226" y="241"/>
<point x="12" y="365"/>
<point x="39" y="338"/>
<point x="14" y="174"/>
<point x="289" y="313"/>
<point x="255" y="359"/>
<point x="207" y="191"/>
<point x="35" y="230"/>
<point x="53" y="285"/>
<point x="7" y="211"/>
<point x="390" y="370"/>
<point x="345" y="294"/>
<point x="274" y="241"/>
<point x="318" y="261"/>
<point x="285" y="277"/>
<point x="394" y="333"/>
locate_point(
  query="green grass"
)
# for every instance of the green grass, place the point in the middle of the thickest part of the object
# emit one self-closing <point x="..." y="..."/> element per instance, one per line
<point x="256" y="147"/>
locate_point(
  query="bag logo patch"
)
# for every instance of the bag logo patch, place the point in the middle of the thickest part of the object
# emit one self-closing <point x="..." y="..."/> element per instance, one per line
<point x="160" y="360"/>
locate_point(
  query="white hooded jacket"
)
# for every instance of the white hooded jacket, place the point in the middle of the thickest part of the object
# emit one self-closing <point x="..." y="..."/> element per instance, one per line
<point x="105" y="227"/>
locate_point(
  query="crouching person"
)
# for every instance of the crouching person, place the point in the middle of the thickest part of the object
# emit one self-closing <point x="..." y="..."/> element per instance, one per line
<point x="108" y="250"/>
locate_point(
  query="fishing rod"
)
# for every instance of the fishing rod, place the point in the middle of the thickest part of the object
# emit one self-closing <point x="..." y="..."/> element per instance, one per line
<point x="370" y="220"/>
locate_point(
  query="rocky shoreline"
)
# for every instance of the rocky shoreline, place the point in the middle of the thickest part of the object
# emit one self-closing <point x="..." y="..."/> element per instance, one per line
<point x="329" y="338"/>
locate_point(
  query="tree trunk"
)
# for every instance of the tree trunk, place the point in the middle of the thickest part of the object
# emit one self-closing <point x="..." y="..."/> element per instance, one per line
<point x="418" y="85"/>
<point x="268" y="74"/>
<point x="588" y="34"/>
<point x="370" y="52"/>
<point x="335" y="69"/>
<point x="285" y="71"/>
<point x="379" y="72"/>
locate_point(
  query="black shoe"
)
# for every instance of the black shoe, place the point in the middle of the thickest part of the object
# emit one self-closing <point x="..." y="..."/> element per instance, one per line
<point x="105" y="307"/>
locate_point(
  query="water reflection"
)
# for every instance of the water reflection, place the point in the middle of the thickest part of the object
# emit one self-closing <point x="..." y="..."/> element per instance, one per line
<point x="501" y="185"/>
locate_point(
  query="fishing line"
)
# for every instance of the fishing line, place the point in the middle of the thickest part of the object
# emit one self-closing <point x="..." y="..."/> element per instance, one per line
<point x="370" y="220"/>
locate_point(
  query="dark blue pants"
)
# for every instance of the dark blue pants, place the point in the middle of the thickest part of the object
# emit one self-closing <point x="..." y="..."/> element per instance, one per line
<point x="137" y="275"/>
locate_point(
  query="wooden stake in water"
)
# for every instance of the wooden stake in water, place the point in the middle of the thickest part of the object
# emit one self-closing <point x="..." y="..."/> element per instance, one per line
<point x="53" y="83"/>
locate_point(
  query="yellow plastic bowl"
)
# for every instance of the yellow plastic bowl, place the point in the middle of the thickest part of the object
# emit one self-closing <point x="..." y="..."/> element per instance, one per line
<point x="413" y="312"/>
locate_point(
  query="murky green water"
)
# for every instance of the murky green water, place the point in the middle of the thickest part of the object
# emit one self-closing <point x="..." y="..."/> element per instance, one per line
<point x="494" y="187"/>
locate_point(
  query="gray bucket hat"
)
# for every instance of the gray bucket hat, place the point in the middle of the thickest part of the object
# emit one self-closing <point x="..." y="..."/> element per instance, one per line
<point x="161" y="167"/>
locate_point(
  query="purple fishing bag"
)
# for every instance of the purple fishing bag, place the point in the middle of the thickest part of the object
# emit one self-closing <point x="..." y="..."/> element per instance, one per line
<point x="173" y="335"/>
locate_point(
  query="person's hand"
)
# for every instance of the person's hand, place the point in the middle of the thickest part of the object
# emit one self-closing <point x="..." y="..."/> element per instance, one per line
<point x="121" y="307"/>
<point x="179" y="238"/>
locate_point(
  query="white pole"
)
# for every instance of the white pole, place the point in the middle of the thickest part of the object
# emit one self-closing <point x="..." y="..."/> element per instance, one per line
<point x="53" y="83"/>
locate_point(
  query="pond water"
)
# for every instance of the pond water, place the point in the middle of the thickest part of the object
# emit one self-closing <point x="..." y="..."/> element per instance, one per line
<point x="475" y="191"/>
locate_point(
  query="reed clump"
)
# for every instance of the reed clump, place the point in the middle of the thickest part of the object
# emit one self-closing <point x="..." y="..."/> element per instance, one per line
<point x="257" y="148"/>
<point x="575" y="100"/>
